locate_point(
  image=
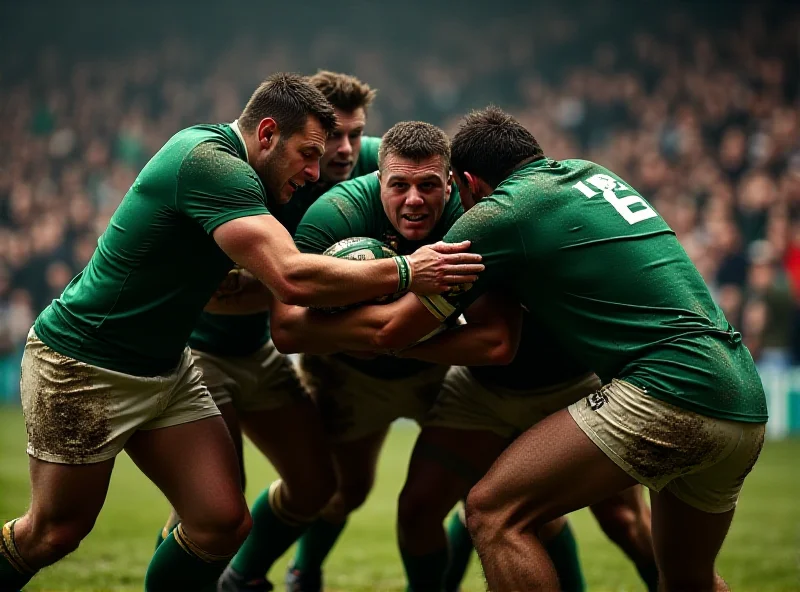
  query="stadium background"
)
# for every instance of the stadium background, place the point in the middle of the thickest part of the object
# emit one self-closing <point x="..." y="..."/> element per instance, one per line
<point x="695" y="104"/>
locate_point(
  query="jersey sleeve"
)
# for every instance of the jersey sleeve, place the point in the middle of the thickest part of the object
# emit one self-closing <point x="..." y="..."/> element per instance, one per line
<point x="491" y="227"/>
<point x="368" y="157"/>
<point x="215" y="186"/>
<point x="338" y="214"/>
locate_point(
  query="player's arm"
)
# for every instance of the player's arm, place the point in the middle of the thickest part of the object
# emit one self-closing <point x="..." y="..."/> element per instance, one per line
<point x="366" y="328"/>
<point x="240" y="294"/>
<point x="490" y="337"/>
<point x="264" y="247"/>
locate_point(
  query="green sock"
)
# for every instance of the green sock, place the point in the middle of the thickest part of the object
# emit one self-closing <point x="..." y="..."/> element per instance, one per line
<point x="563" y="551"/>
<point x="649" y="575"/>
<point x="269" y="538"/>
<point x="461" y="547"/>
<point x="177" y="566"/>
<point x="314" y="546"/>
<point x="425" y="573"/>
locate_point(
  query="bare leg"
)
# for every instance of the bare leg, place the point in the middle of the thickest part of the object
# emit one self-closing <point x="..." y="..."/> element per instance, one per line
<point x="293" y="439"/>
<point x="66" y="500"/>
<point x="687" y="542"/>
<point x="355" y="462"/>
<point x="195" y="466"/>
<point x="445" y="464"/>
<point x="625" y="518"/>
<point x="528" y="487"/>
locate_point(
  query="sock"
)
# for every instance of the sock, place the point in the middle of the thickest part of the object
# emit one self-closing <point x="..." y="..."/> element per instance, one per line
<point x="649" y="575"/>
<point x="425" y="573"/>
<point x="315" y="545"/>
<point x="179" y="565"/>
<point x="563" y="551"/>
<point x="274" y="530"/>
<point x="172" y="522"/>
<point x="461" y="547"/>
<point x="14" y="571"/>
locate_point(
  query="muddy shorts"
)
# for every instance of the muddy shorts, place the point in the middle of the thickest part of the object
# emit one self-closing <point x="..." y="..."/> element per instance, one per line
<point x="701" y="460"/>
<point x="264" y="380"/>
<point x="466" y="404"/>
<point x="354" y="404"/>
<point x="76" y="413"/>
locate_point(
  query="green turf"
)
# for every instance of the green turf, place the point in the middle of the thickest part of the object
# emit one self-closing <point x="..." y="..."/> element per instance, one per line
<point x="762" y="551"/>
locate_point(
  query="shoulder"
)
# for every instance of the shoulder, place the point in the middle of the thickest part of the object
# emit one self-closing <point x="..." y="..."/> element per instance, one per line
<point x="215" y="162"/>
<point x="362" y="190"/>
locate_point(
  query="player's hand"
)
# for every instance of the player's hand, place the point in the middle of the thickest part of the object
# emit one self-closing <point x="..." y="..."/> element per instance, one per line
<point x="439" y="267"/>
<point x="236" y="281"/>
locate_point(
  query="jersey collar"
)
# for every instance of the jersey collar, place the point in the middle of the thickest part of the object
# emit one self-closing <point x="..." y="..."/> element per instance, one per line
<point x="238" y="132"/>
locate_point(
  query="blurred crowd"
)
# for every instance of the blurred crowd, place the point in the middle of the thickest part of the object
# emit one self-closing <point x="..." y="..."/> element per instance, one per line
<point x="704" y="122"/>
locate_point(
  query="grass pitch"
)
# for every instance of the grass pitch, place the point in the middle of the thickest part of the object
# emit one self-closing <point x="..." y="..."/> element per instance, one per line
<point x="762" y="551"/>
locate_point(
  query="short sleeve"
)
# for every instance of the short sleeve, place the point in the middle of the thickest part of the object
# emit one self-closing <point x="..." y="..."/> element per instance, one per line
<point x="339" y="214"/>
<point x="491" y="227"/>
<point x="215" y="186"/>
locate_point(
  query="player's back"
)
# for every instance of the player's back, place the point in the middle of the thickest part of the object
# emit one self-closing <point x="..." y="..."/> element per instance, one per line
<point x="133" y="306"/>
<point x="607" y="274"/>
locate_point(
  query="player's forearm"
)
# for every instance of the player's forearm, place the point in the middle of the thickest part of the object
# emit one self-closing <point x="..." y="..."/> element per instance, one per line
<point x="464" y="345"/>
<point x="326" y="281"/>
<point x="296" y="329"/>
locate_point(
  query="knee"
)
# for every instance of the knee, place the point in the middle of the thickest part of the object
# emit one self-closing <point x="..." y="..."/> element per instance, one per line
<point x="308" y="499"/>
<point x="619" y="522"/>
<point x="59" y="540"/>
<point x="228" y="523"/>
<point x="483" y="512"/>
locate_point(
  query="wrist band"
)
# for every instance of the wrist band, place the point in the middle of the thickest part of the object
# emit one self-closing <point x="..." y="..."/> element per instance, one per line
<point x="403" y="273"/>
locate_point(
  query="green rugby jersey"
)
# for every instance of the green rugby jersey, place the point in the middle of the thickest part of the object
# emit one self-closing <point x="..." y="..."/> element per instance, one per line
<point x="241" y="335"/>
<point x="602" y="270"/>
<point x="354" y="208"/>
<point x="135" y="304"/>
<point x="540" y="362"/>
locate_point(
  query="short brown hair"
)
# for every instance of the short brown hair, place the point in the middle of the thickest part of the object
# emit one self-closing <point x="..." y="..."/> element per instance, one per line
<point x="490" y="143"/>
<point x="344" y="92"/>
<point x="415" y="140"/>
<point x="289" y="99"/>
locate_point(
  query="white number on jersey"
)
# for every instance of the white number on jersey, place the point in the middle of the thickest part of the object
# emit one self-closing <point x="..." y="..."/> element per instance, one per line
<point x="609" y="188"/>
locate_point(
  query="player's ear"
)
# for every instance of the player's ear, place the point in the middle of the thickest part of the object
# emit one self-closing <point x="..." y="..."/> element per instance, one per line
<point x="472" y="182"/>
<point x="267" y="132"/>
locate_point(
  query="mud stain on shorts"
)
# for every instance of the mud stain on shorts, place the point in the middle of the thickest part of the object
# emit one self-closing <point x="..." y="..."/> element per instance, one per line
<point x="67" y="414"/>
<point x="676" y="444"/>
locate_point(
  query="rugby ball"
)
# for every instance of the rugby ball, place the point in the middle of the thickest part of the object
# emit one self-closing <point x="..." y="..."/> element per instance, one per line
<point x="360" y="248"/>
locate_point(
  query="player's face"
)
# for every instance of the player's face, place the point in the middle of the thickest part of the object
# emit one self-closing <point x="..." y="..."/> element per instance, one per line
<point x="291" y="162"/>
<point x="343" y="146"/>
<point x="414" y="194"/>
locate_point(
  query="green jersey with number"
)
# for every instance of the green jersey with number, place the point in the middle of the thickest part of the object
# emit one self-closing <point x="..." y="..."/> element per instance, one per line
<point x="135" y="304"/>
<point x="540" y="362"/>
<point x="602" y="270"/>
<point x="354" y="208"/>
<point x="241" y="335"/>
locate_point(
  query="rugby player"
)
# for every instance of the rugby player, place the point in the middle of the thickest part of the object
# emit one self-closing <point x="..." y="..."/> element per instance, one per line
<point x="682" y="410"/>
<point x="407" y="204"/>
<point x="254" y="386"/>
<point x="106" y="366"/>
<point x="479" y="412"/>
